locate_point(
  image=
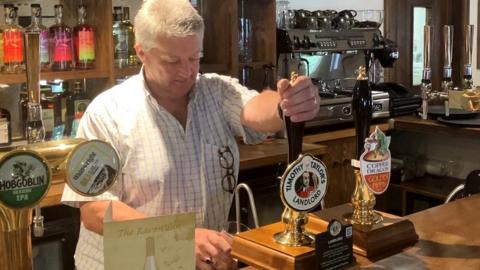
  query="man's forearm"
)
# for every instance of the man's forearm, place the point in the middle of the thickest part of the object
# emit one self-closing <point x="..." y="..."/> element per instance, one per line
<point x="92" y="214"/>
<point x="261" y="114"/>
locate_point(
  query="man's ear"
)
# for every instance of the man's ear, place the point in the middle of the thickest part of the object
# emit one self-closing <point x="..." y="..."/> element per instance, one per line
<point x="140" y="52"/>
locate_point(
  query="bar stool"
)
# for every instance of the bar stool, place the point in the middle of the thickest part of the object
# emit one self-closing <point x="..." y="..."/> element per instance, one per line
<point x="471" y="186"/>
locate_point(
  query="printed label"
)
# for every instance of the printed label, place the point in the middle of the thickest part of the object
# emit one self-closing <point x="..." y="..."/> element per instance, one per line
<point x="62" y="50"/>
<point x="86" y="44"/>
<point x="120" y="43"/>
<point x="13" y="47"/>
<point x="80" y="105"/>
<point x="24" y="179"/>
<point x="304" y="183"/>
<point x="3" y="131"/>
<point x="44" y="53"/>
<point x="92" y="168"/>
<point x="48" y="119"/>
<point x="375" y="162"/>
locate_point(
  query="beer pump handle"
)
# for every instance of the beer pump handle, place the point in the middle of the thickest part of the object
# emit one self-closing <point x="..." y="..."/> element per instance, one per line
<point x="448" y="50"/>
<point x="294" y="132"/>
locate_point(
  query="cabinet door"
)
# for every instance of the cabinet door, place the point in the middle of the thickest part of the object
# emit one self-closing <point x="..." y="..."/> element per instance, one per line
<point x="341" y="181"/>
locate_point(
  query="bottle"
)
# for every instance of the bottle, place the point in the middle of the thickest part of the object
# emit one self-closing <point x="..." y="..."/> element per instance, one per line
<point x="58" y="119"/>
<point x="23" y="109"/>
<point x="128" y="26"/>
<point x="1" y="48"/>
<point x="362" y="109"/>
<point x="37" y="27"/>
<point x="120" y="45"/>
<point x="84" y="41"/>
<point x="13" y="54"/>
<point x="5" y="128"/>
<point x="150" y="263"/>
<point x="48" y="107"/>
<point x="77" y="103"/>
<point x="60" y="42"/>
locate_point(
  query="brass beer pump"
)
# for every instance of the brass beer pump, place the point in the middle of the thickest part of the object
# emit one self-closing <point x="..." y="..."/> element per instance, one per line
<point x="363" y="200"/>
<point x="294" y="234"/>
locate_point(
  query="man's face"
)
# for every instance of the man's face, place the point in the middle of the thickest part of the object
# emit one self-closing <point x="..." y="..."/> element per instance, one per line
<point x="172" y="66"/>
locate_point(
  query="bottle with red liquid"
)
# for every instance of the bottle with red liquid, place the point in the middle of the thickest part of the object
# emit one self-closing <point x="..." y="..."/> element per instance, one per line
<point x="37" y="27"/>
<point x="13" y="54"/>
<point x="60" y="43"/>
<point x="84" y="41"/>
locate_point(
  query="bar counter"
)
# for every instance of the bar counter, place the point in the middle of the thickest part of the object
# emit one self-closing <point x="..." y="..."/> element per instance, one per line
<point x="449" y="238"/>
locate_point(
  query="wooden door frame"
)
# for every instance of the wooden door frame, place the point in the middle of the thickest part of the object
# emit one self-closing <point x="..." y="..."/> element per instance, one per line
<point x="398" y="27"/>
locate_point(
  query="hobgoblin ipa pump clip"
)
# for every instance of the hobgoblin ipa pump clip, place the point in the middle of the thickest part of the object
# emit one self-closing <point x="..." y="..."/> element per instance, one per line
<point x="302" y="187"/>
<point x="373" y="163"/>
<point x="24" y="180"/>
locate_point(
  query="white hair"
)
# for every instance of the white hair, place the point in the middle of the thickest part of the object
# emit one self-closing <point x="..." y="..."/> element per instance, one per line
<point x="166" y="18"/>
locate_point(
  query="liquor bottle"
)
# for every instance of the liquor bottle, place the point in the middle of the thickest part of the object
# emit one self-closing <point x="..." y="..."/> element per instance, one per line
<point x="5" y="128"/>
<point x="13" y="54"/>
<point x="60" y="42"/>
<point x="1" y="48"/>
<point x="84" y="41"/>
<point x="77" y="103"/>
<point x="37" y="27"/>
<point x="150" y="263"/>
<point x="23" y="109"/>
<point x="120" y="45"/>
<point x="362" y="109"/>
<point x="48" y="107"/>
<point x="128" y="26"/>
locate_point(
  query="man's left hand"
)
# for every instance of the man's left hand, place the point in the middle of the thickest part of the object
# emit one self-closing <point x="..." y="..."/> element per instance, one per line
<point x="299" y="100"/>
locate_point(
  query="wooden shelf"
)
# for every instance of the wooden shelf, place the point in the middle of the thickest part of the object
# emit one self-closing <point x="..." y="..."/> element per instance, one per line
<point x="52" y="75"/>
<point x="430" y="186"/>
<point x="254" y="64"/>
<point x="128" y="71"/>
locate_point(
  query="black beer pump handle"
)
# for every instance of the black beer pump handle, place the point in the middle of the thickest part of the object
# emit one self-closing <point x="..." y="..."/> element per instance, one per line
<point x="294" y="132"/>
<point x="362" y="109"/>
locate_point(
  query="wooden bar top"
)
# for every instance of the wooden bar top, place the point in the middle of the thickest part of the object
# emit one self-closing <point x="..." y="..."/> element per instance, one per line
<point x="272" y="152"/>
<point x="415" y="123"/>
<point x="449" y="238"/>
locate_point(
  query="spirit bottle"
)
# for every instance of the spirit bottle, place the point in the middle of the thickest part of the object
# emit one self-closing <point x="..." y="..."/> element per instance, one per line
<point x="1" y="48"/>
<point x="23" y="109"/>
<point x="60" y="42"/>
<point x="77" y="103"/>
<point x="5" y="128"/>
<point x="37" y="27"/>
<point x="150" y="263"/>
<point x="58" y="119"/>
<point x="128" y="26"/>
<point x="84" y="41"/>
<point x="120" y="45"/>
<point x="47" y="110"/>
<point x="13" y="54"/>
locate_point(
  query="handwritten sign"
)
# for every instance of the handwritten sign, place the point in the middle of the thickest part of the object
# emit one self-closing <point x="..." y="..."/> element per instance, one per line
<point x="165" y="242"/>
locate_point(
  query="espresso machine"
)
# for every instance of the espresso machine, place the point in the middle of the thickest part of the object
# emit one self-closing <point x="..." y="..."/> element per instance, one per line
<point x="330" y="59"/>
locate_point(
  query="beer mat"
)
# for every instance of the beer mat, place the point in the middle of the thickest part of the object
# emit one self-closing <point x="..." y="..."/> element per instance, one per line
<point x="439" y="111"/>
<point x="474" y="121"/>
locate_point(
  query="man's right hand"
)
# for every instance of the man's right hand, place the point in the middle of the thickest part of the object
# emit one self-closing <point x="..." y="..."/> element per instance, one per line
<point x="212" y="251"/>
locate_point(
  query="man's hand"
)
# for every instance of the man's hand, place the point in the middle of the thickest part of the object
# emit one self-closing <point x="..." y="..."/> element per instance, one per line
<point x="299" y="100"/>
<point x="212" y="251"/>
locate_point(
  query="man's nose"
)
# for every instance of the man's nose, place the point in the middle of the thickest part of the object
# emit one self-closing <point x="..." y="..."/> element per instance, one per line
<point x="185" y="69"/>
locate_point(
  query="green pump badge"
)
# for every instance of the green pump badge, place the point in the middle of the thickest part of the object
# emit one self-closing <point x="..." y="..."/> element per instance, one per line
<point x="24" y="179"/>
<point x="92" y="168"/>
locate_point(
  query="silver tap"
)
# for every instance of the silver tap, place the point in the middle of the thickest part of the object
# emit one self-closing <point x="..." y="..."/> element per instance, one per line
<point x="427" y="92"/>
<point x="34" y="125"/>
<point x="467" y="71"/>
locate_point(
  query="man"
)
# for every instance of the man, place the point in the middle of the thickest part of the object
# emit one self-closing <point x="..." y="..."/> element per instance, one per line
<point x="173" y="130"/>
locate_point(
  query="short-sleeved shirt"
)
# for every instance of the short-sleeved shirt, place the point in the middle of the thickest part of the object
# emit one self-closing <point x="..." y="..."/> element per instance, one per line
<point x="166" y="168"/>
